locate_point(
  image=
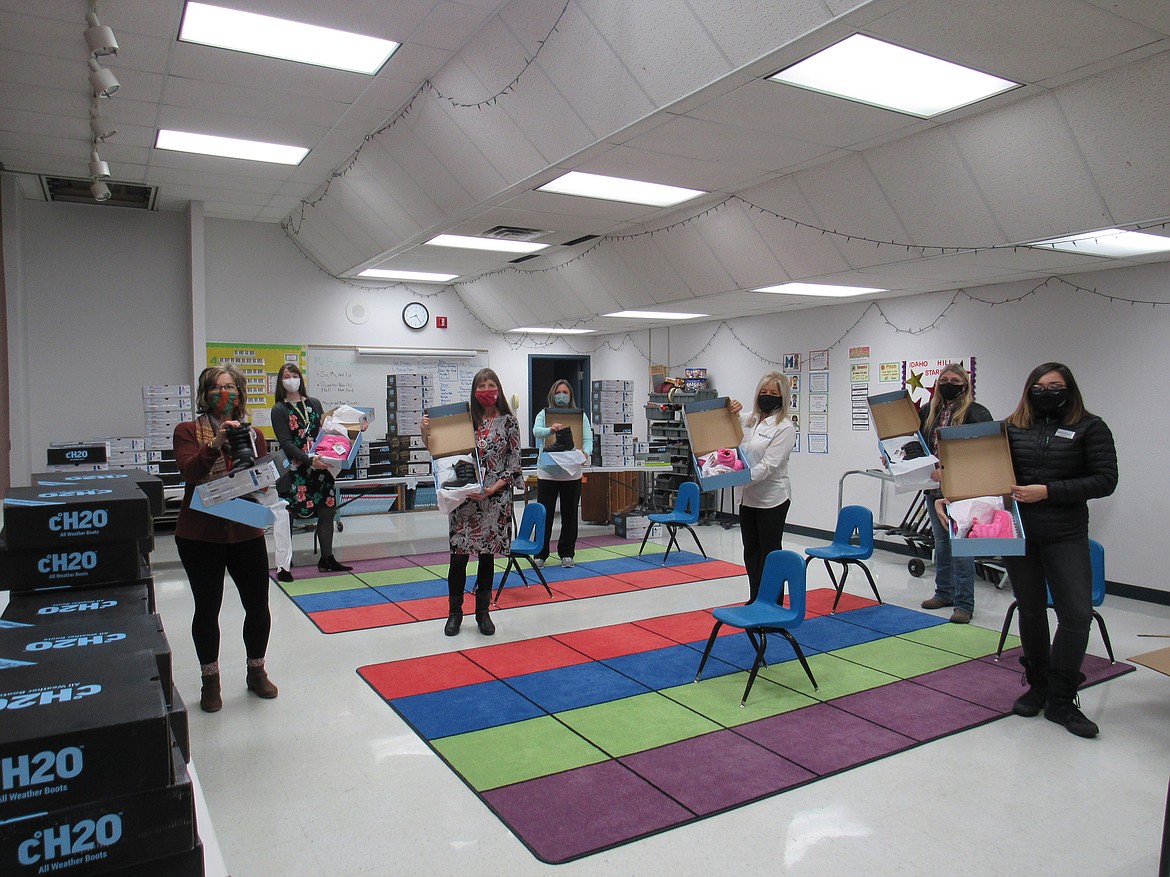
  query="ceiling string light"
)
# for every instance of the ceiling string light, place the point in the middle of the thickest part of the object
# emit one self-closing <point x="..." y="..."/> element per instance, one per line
<point x="103" y="84"/>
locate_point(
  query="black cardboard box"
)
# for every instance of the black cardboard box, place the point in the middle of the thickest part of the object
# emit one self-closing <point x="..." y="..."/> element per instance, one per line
<point x="188" y="863"/>
<point x="180" y="724"/>
<point x="79" y="564"/>
<point x="103" y="835"/>
<point x="71" y="733"/>
<point x="149" y="484"/>
<point x="83" y="641"/>
<point x="60" y="604"/>
<point x="48" y="516"/>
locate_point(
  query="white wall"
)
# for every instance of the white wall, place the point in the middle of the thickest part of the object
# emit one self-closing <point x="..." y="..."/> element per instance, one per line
<point x="91" y="343"/>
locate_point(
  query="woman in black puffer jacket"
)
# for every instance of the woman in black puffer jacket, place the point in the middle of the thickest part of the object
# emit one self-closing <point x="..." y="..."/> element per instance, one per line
<point x="1062" y="456"/>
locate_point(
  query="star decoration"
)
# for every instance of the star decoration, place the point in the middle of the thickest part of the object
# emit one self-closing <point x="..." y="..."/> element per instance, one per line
<point x="915" y="381"/>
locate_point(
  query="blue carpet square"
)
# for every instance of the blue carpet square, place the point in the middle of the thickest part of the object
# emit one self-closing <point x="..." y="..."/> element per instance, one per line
<point x="736" y="649"/>
<point x="467" y="708"/>
<point x="666" y="668"/>
<point x="348" y="599"/>
<point x="553" y="572"/>
<point x="413" y="590"/>
<point x="832" y="632"/>
<point x="625" y="564"/>
<point x="567" y="688"/>
<point x="888" y="619"/>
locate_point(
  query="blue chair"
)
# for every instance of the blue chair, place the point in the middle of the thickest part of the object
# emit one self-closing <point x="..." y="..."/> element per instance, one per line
<point x="685" y="513"/>
<point x="765" y="614"/>
<point x="528" y="543"/>
<point x="853" y="521"/>
<point x="1097" y="560"/>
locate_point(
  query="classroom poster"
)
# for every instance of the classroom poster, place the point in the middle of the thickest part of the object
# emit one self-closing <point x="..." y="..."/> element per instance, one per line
<point x="260" y="364"/>
<point x="919" y="376"/>
<point x="888" y="372"/>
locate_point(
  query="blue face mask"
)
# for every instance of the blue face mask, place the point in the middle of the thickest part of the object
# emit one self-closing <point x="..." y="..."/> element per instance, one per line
<point x="561" y="400"/>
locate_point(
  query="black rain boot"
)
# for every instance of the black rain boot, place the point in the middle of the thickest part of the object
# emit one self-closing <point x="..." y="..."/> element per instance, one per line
<point x="483" y="599"/>
<point x="1033" y="700"/>
<point x="454" y="614"/>
<point x="1063" y="703"/>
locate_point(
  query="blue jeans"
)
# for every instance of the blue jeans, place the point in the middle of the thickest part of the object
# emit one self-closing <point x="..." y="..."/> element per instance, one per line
<point x="954" y="577"/>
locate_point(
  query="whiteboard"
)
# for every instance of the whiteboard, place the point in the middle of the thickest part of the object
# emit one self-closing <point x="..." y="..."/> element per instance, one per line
<point x="339" y="376"/>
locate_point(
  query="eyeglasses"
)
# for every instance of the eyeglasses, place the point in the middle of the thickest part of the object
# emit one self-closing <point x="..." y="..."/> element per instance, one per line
<point x="1039" y="388"/>
<point x="225" y="387"/>
<point x="957" y="382"/>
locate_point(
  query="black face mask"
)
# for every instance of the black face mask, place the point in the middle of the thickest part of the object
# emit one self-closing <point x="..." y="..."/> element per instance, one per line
<point x="768" y="404"/>
<point x="1048" y="401"/>
<point x="950" y="392"/>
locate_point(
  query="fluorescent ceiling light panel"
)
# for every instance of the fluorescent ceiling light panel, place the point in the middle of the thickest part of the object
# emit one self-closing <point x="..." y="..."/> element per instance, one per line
<point x="617" y="189"/>
<point x="418" y="276"/>
<point x="823" y="289"/>
<point x="860" y="68"/>
<point x="551" y="331"/>
<point x="1112" y="242"/>
<point x="495" y="245"/>
<point x="229" y="147"/>
<point x="654" y="315"/>
<point x="280" y="38"/>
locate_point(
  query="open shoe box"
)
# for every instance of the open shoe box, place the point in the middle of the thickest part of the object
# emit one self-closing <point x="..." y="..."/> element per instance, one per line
<point x="895" y="418"/>
<point x="354" y="432"/>
<point x="977" y="461"/>
<point x="452" y="434"/>
<point x="574" y="419"/>
<point x="711" y="426"/>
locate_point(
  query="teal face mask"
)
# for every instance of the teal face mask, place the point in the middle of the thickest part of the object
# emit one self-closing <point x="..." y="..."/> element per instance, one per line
<point x="561" y="400"/>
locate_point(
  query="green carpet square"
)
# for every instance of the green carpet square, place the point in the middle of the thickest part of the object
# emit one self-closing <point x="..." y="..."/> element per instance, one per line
<point x="634" y="724"/>
<point x="321" y="585"/>
<point x="963" y="639"/>
<point x="398" y="576"/>
<point x="631" y="549"/>
<point x="586" y="554"/>
<point x="519" y="751"/>
<point x="900" y="657"/>
<point x="835" y="677"/>
<point x="718" y="698"/>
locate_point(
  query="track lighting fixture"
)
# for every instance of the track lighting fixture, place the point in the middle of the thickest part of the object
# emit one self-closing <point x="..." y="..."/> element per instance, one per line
<point x="103" y="81"/>
<point x="98" y="169"/>
<point x="99" y="38"/>
<point x="101" y="192"/>
<point x="102" y="128"/>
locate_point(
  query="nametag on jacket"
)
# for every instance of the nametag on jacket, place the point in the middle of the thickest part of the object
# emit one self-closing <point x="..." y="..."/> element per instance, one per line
<point x="1065" y="434"/>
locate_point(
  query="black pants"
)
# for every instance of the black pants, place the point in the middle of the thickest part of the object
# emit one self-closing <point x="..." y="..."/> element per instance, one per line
<point x="1068" y="573"/>
<point x="569" y="492"/>
<point x="205" y="564"/>
<point x="763" y="533"/>
<point x="457" y="575"/>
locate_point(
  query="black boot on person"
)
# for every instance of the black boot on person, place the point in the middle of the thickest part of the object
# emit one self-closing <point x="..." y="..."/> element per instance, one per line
<point x="1033" y="700"/>
<point x="454" y="615"/>
<point x="483" y="599"/>
<point x="1063" y="704"/>
<point x="332" y="564"/>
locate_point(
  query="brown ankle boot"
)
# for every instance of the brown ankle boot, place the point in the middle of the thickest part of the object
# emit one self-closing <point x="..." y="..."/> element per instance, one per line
<point x="259" y="683"/>
<point x="210" y="699"/>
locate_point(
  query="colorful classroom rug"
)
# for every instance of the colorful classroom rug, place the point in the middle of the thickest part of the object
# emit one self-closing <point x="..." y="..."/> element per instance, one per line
<point x="398" y="590"/>
<point x="587" y="740"/>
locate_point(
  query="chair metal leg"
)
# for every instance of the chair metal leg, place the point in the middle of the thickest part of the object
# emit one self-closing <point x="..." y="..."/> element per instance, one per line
<point x="755" y="645"/>
<point x="539" y="574"/>
<point x="504" y="578"/>
<point x="1105" y="636"/>
<point x="707" y="651"/>
<point x="673" y="530"/>
<point x="760" y="649"/>
<point x="645" y="536"/>
<point x="838" y="586"/>
<point x="696" y="537"/>
<point x="1007" y="622"/>
<point x="865" y="569"/>
<point x="800" y="656"/>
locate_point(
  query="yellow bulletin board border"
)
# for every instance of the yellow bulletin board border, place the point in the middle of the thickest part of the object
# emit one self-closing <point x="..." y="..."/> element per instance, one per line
<point x="260" y="364"/>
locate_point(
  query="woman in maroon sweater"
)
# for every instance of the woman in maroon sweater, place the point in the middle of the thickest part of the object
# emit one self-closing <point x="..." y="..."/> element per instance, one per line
<point x="209" y="546"/>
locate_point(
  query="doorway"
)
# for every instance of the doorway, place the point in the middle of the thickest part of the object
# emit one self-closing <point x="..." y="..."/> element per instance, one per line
<point x="544" y="370"/>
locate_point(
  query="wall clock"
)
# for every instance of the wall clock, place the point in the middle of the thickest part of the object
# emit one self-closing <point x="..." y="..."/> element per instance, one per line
<point x="416" y="315"/>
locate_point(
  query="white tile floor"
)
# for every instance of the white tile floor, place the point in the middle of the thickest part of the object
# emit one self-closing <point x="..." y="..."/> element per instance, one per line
<point x="326" y="780"/>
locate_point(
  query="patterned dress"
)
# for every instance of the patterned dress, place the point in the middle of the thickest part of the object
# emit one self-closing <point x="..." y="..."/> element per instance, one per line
<point x="484" y="527"/>
<point x="312" y="489"/>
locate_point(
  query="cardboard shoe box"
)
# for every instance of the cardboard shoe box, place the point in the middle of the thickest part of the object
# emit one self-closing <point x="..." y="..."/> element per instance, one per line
<point x="77" y="732"/>
<point x="896" y="422"/>
<point x="711" y="426"/>
<point x="50" y="516"/>
<point x="80" y="565"/>
<point x="149" y="484"/>
<point x="56" y="604"/>
<point x="634" y="527"/>
<point x="452" y="434"/>
<point x="977" y="461"/>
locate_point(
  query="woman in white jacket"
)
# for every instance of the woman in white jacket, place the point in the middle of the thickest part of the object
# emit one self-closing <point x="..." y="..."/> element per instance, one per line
<point x="769" y="436"/>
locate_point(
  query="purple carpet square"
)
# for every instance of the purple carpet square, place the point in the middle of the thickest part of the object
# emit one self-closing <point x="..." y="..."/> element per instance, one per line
<point x="372" y="564"/>
<point x="433" y="557"/>
<point x="824" y="739"/>
<point x="1095" y="668"/>
<point x="914" y="710"/>
<point x="995" y="686"/>
<point x="603" y="540"/>
<point x="581" y="811"/>
<point x="687" y="770"/>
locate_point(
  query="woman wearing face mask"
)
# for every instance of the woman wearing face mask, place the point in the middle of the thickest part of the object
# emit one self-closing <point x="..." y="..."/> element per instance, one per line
<point x="954" y="577"/>
<point x="767" y="445"/>
<point x="555" y="482"/>
<point x="1062" y="457"/>
<point x="209" y="546"/>
<point x="481" y="524"/>
<point x="296" y="421"/>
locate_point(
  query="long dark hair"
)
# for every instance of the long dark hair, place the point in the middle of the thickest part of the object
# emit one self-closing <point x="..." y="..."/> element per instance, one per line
<point x="486" y="374"/>
<point x="1074" y="412"/>
<point x="290" y="368"/>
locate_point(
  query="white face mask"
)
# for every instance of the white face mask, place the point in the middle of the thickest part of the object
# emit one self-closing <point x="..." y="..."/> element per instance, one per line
<point x="292" y="385"/>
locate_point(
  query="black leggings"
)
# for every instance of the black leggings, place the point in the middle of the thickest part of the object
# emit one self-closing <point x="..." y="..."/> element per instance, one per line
<point x="247" y="563"/>
<point x="569" y="492"/>
<point x="457" y="576"/>
<point x="326" y="524"/>
<point x="763" y="533"/>
<point x="1065" y="568"/>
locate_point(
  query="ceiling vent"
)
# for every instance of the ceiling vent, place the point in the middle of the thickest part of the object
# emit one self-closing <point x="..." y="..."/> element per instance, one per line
<point x="580" y="240"/>
<point x="121" y="194"/>
<point x="523" y="259"/>
<point x="513" y="233"/>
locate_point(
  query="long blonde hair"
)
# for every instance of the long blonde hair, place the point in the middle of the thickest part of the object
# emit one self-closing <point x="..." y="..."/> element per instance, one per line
<point x="781" y="380"/>
<point x="959" y="415"/>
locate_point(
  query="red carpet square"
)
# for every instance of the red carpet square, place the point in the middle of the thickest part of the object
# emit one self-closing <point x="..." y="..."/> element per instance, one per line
<point x="423" y="675"/>
<point x="526" y="656"/>
<point x="360" y="618"/>
<point x="613" y="641"/>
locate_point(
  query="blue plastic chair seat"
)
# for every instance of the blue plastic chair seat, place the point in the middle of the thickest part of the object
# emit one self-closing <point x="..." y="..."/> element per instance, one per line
<point x="527" y="544"/>
<point x="685" y="513"/>
<point x="853" y="521"/>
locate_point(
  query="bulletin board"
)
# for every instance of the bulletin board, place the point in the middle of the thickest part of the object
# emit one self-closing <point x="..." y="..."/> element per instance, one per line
<point x="338" y="375"/>
<point x="260" y="364"/>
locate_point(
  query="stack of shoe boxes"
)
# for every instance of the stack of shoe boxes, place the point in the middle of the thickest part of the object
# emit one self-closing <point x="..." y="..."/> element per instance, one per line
<point x="407" y="396"/>
<point x="93" y="734"/>
<point x="411" y="456"/>
<point x="164" y="407"/>
<point x="611" y="414"/>
<point x="381" y="462"/>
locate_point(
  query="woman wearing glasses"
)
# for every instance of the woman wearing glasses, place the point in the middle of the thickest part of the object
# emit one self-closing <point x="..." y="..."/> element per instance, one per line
<point x="1062" y="457"/>
<point x="952" y="404"/>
